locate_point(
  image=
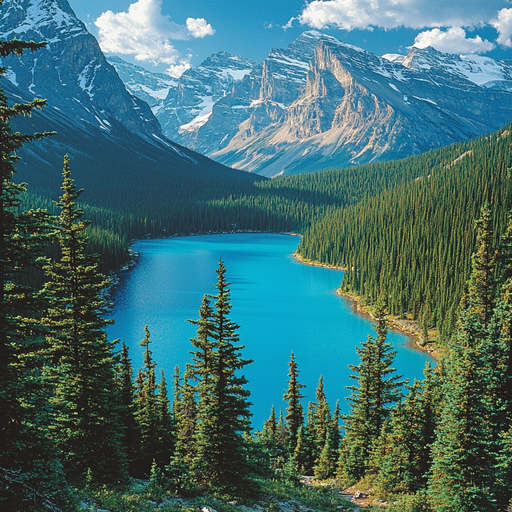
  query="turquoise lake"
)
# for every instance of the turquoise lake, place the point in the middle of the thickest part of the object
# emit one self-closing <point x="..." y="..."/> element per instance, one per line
<point x="280" y="304"/>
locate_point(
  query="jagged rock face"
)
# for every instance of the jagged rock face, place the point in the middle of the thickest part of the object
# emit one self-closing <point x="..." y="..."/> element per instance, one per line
<point x="150" y="87"/>
<point x="103" y="127"/>
<point x="188" y="104"/>
<point x="322" y="103"/>
<point x="358" y="108"/>
<point x="71" y="71"/>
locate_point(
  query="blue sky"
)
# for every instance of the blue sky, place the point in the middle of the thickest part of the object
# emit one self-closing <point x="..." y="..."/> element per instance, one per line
<point x="172" y="35"/>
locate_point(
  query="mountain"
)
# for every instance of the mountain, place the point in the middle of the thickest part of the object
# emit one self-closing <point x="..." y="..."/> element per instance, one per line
<point x="321" y="103"/>
<point x="182" y="106"/>
<point x="108" y="132"/>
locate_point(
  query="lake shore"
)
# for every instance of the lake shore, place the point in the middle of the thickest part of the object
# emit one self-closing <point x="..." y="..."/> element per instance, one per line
<point x="408" y="327"/>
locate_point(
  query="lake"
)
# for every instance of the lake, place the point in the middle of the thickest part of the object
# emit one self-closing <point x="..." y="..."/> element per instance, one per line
<point x="280" y="304"/>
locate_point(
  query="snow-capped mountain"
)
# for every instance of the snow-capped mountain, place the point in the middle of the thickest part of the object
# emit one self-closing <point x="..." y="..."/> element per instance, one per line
<point x="322" y="103"/>
<point x="98" y="122"/>
<point x="182" y="106"/>
<point x="71" y="72"/>
<point x="150" y="87"/>
<point x="356" y="108"/>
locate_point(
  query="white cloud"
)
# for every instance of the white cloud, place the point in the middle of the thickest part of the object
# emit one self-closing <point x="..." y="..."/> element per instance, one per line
<point x="199" y="28"/>
<point x="454" y="40"/>
<point x="504" y="27"/>
<point x="364" y="14"/>
<point x="144" y="32"/>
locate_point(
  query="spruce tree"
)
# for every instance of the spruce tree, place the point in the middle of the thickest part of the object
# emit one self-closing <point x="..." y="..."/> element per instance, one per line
<point x="377" y="389"/>
<point x="402" y="464"/>
<point x="166" y="426"/>
<point x="147" y="413"/>
<point x="335" y="425"/>
<point x="127" y="420"/>
<point x="466" y="474"/>
<point x="295" y="417"/>
<point x="81" y="364"/>
<point x="221" y="461"/>
<point x="320" y="422"/>
<point x="186" y="417"/>
<point x="326" y="463"/>
<point x="30" y="473"/>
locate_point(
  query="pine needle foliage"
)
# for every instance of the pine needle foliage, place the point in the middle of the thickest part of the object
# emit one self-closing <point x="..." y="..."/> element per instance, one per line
<point x="31" y="476"/>
<point x="81" y="363"/>
<point x="221" y="461"/>
<point x="295" y="414"/>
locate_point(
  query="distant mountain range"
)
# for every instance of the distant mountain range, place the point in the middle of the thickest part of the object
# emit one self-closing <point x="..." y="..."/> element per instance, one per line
<point x="107" y="130"/>
<point x="321" y="103"/>
<point x="317" y="104"/>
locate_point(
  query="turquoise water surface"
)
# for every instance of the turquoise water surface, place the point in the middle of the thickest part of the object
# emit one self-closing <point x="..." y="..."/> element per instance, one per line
<point x="280" y="304"/>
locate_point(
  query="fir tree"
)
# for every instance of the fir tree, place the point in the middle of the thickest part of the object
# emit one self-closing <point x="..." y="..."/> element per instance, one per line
<point x="166" y="427"/>
<point x="401" y="465"/>
<point x="335" y="425"/>
<point x="81" y="363"/>
<point x="127" y="420"/>
<point x="326" y="463"/>
<point x="376" y="390"/>
<point x="321" y="420"/>
<point x="295" y="417"/>
<point x="223" y="409"/>
<point x="147" y="413"/>
<point x="466" y="474"/>
<point x="186" y="417"/>
<point x="30" y="473"/>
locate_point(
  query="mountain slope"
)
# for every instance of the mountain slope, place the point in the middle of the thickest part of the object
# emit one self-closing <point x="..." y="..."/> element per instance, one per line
<point x="322" y="103"/>
<point x="107" y="131"/>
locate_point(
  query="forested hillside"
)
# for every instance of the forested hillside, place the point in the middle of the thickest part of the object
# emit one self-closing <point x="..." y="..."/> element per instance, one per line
<point x="403" y="230"/>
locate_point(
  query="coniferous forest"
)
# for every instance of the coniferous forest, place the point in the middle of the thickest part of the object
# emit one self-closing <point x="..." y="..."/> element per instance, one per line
<point x="80" y="429"/>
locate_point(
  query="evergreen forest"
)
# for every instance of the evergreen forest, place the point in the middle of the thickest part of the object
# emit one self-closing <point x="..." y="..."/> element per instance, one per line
<point x="430" y="237"/>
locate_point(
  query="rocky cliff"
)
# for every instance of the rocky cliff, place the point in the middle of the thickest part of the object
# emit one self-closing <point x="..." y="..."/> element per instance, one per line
<point x="321" y="103"/>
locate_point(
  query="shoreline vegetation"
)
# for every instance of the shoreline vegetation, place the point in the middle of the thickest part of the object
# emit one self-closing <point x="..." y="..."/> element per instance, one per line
<point x="410" y="328"/>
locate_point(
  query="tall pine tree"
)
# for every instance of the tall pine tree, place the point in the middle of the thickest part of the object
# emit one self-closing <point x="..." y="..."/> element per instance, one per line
<point x="295" y="414"/>
<point x="81" y="364"/>
<point x="221" y="461"/>
<point x="30" y="473"/>
<point x="377" y="389"/>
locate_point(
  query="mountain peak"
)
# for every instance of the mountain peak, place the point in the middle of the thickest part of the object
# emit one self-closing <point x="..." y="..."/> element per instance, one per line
<point x="40" y="19"/>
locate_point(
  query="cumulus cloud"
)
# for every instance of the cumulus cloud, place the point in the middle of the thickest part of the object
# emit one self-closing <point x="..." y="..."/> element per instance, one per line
<point x="364" y="14"/>
<point x="144" y="32"/>
<point x="199" y="28"/>
<point x="454" y="40"/>
<point x="504" y="27"/>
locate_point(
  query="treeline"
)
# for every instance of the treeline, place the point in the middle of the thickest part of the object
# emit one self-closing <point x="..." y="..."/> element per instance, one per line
<point x="442" y="444"/>
<point x="410" y="244"/>
<point x="403" y="230"/>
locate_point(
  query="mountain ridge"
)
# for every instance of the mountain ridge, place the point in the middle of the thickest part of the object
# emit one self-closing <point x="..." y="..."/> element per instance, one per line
<point x="322" y="103"/>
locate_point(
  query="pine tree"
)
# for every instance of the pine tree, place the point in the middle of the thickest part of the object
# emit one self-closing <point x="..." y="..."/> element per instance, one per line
<point x="466" y="474"/>
<point x="186" y="417"/>
<point x="81" y="362"/>
<point x="223" y="414"/>
<point x="30" y="473"/>
<point x="269" y="438"/>
<point x="335" y="425"/>
<point x="326" y="463"/>
<point x="320" y="421"/>
<point x="146" y="404"/>
<point x="377" y="389"/>
<point x="401" y="466"/>
<point x="295" y="417"/>
<point x="166" y="427"/>
<point x="127" y="420"/>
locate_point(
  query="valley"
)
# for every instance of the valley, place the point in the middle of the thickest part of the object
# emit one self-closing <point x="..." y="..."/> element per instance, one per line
<point x="394" y="168"/>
